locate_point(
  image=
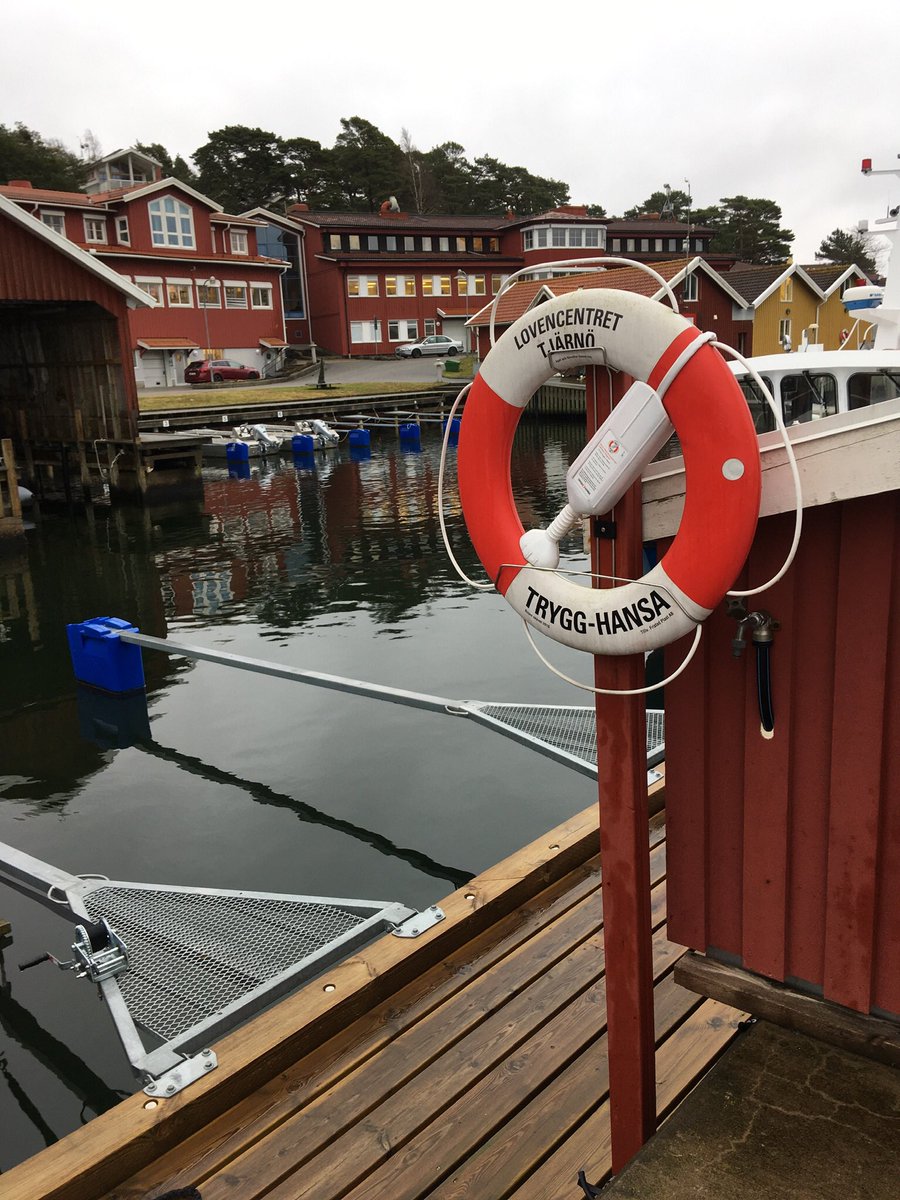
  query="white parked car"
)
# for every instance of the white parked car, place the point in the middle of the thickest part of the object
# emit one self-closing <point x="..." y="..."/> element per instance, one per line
<point x="438" y="343"/>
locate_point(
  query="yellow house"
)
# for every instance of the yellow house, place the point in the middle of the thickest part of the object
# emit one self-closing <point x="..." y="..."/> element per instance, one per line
<point x="836" y="327"/>
<point x="785" y="302"/>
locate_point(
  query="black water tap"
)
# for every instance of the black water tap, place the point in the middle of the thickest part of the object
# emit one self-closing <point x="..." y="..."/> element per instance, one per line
<point x="762" y="626"/>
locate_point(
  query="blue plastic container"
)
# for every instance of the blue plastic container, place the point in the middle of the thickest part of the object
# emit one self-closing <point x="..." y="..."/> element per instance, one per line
<point x="101" y="659"/>
<point x="303" y="443"/>
<point x="360" y="438"/>
<point x="239" y="469"/>
<point x="236" y="452"/>
<point x="454" y="428"/>
<point x="410" y="433"/>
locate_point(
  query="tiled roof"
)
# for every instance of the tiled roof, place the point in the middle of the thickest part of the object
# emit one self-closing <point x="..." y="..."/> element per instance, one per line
<point x="752" y="281"/>
<point x="228" y="219"/>
<point x="825" y="274"/>
<point x="167" y="343"/>
<point x="236" y="260"/>
<point x="45" y="196"/>
<point x="407" y="221"/>
<point x="515" y="301"/>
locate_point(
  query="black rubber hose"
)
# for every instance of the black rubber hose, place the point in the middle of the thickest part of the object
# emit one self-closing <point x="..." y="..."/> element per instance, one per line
<point x="764" y="685"/>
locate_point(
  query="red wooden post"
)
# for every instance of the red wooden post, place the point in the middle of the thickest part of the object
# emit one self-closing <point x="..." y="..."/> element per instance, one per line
<point x="624" y="835"/>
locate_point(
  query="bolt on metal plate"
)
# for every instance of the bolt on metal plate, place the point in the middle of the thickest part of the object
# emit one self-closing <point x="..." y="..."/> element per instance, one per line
<point x="187" y="1072"/>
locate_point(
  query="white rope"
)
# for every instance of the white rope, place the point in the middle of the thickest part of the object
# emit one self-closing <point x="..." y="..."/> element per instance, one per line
<point x="482" y="586"/>
<point x="587" y="687"/>
<point x="792" y="463"/>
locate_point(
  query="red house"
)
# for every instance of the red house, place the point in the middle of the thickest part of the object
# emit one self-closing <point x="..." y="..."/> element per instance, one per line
<point x="704" y="297"/>
<point x="215" y="294"/>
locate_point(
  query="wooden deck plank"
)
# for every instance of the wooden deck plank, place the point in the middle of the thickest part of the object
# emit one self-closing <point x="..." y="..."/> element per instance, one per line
<point x="516" y="952"/>
<point x="431" y="1121"/>
<point x="554" y="1113"/>
<point x="680" y="1059"/>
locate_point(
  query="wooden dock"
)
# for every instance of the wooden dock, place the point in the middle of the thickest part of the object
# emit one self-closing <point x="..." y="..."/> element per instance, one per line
<point x="468" y="1063"/>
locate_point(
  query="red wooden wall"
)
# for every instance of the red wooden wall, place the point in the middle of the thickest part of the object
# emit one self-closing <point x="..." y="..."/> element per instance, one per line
<point x="784" y="854"/>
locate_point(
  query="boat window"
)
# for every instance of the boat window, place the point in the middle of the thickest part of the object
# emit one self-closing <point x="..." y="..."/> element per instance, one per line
<point x="872" y="387"/>
<point x="806" y="396"/>
<point x="763" y="420"/>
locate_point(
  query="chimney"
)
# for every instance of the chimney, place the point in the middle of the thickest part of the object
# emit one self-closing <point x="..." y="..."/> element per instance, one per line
<point x="299" y="207"/>
<point x="20" y="183"/>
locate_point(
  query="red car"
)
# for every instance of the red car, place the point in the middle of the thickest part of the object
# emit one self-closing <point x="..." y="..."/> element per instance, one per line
<point x="214" y="370"/>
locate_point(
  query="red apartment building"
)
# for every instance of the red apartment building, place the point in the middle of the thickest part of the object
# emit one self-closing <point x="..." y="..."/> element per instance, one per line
<point x="215" y="294"/>
<point x="376" y="280"/>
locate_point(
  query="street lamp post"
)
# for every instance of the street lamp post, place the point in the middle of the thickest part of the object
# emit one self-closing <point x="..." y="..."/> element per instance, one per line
<point x="460" y="277"/>
<point x="207" y="283"/>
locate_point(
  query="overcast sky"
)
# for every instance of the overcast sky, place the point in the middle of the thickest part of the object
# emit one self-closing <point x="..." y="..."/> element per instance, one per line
<point x="778" y="100"/>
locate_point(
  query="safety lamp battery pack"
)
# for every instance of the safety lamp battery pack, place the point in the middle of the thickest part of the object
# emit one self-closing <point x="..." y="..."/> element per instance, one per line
<point x="613" y="459"/>
<point x="634" y="432"/>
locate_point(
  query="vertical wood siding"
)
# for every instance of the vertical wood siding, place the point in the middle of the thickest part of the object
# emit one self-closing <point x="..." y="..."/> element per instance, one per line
<point x="784" y="853"/>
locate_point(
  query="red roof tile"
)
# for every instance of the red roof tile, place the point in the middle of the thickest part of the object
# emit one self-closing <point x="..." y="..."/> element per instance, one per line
<point x="516" y="301"/>
<point x="44" y="196"/>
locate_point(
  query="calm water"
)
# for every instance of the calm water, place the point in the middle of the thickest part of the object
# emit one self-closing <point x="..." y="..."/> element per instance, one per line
<point x="252" y="782"/>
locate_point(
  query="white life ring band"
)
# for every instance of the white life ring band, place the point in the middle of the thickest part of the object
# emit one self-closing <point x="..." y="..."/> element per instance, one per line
<point x="707" y="408"/>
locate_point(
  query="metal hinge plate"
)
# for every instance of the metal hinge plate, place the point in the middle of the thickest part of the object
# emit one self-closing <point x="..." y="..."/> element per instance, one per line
<point x="419" y="923"/>
<point x="187" y="1072"/>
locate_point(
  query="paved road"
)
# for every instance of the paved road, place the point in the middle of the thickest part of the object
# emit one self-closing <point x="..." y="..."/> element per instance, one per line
<point x="344" y="370"/>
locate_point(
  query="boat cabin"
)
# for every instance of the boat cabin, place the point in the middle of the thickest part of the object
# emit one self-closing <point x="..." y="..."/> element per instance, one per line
<point x="815" y="385"/>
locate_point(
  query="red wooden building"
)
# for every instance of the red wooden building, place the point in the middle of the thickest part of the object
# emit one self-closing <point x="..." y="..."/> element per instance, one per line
<point x="784" y="851"/>
<point x="214" y="293"/>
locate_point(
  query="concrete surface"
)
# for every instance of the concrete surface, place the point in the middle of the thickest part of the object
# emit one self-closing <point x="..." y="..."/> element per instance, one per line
<point x="780" y="1115"/>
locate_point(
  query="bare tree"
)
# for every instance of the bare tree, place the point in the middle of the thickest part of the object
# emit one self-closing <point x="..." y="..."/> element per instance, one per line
<point x="415" y="171"/>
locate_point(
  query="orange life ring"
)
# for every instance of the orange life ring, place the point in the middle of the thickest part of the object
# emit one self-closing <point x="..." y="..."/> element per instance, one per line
<point x="723" y="480"/>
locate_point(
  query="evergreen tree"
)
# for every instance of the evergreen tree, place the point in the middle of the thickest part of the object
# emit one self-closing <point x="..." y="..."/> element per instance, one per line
<point x="849" y="246"/>
<point x="749" y="228"/>
<point x="241" y="168"/>
<point x="172" y="168"/>
<point x="668" y="202"/>
<point x="24" y="154"/>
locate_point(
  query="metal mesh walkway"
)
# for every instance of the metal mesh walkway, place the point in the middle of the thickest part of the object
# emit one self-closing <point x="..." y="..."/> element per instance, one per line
<point x="564" y="731"/>
<point x="201" y="959"/>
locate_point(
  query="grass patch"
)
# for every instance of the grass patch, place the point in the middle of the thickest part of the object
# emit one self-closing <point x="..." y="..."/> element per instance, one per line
<point x="245" y="396"/>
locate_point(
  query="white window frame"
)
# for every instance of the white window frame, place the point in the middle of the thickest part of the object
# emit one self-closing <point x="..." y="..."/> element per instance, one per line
<point x="372" y="241"/>
<point x="261" y="288"/>
<point x="57" y="216"/>
<point x="123" y="234"/>
<point x="235" y="285"/>
<point x="353" y="241"/>
<point x="179" y="213"/>
<point x="444" y="245"/>
<point x="95" y="225"/>
<point x="410" y="329"/>
<point x="366" y="285"/>
<point x="426" y="244"/>
<point x="153" y="286"/>
<point x="430" y="327"/>
<point x="403" y="285"/>
<point x="359" y="330"/>
<point x="238" y="241"/>
<point x="691" y="291"/>
<point x="189" y="293"/>
<point x="215" y="294"/>
<point x="784" y="330"/>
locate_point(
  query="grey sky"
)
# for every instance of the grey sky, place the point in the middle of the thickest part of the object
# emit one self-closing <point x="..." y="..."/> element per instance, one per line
<point x="779" y="100"/>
